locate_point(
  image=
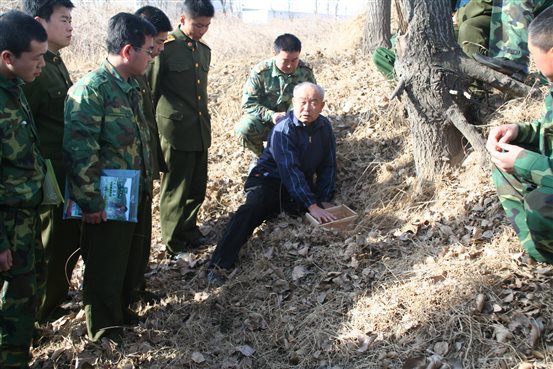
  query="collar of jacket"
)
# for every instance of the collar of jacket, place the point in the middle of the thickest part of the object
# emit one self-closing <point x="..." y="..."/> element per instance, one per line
<point x="180" y="35"/>
<point x="52" y="57"/>
<point x="126" y="86"/>
<point x="12" y="85"/>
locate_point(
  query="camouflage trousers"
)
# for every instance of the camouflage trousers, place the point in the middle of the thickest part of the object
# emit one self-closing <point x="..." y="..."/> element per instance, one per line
<point x="530" y="211"/>
<point x="252" y="132"/>
<point x="509" y="28"/>
<point x="19" y="293"/>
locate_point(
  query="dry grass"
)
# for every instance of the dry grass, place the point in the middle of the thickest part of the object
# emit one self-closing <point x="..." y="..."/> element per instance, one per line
<point x="433" y="276"/>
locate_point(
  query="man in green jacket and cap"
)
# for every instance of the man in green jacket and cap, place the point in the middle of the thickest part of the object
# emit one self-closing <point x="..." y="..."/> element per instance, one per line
<point x="46" y="96"/>
<point x="178" y="78"/>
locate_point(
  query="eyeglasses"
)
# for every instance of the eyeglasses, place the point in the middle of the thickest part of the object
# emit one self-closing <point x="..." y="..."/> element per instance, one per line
<point x="149" y="51"/>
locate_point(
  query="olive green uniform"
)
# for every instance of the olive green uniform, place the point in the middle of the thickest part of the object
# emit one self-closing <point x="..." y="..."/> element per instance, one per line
<point x="178" y="78"/>
<point x="266" y="92"/>
<point x="105" y="128"/>
<point x="46" y="95"/>
<point x="21" y="178"/>
<point x="473" y="22"/>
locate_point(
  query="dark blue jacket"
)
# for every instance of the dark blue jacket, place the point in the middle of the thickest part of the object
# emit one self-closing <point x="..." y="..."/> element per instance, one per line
<point x="303" y="158"/>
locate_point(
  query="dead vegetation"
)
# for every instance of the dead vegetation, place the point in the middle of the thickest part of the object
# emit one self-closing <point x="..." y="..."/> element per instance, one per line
<point x="426" y="279"/>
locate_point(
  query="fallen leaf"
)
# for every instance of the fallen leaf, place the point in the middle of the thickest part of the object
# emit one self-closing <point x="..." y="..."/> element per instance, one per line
<point x="414" y="363"/>
<point x="501" y="333"/>
<point x="298" y="272"/>
<point x="246" y="350"/>
<point x="441" y="348"/>
<point x="197" y="357"/>
<point x="480" y="302"/>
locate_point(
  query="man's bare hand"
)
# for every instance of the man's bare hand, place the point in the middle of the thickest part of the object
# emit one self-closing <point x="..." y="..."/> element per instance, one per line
<point x="505" y="159"/>
<point x="6" y="261"/>
<point x="327" y="205"/>
<point x="321" y="215"/>
<point x="501" y="134"/>
<point x="278" y="116"/>
<point x="95" y="218"/>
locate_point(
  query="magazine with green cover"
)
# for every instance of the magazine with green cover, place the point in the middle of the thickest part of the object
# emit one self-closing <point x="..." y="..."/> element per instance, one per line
<point x="120" y="190"/>
<point x="51" y="193"/>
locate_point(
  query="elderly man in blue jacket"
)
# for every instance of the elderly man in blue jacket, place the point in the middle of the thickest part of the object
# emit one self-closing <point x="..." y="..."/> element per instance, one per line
<point x="296" y="172"/>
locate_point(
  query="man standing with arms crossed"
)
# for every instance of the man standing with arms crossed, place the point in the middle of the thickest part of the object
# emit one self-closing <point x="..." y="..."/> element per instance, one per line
<point x="22" y="48"/>
<point x="46" y="96"/>
<point x="105" y="128"/>
<point x="178" y="79"/>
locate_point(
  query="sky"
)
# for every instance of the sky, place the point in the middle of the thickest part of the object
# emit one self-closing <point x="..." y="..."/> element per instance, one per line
<point x="343" y="7"/>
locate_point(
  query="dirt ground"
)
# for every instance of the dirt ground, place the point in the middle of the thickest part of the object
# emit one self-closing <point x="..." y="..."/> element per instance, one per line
<point x="424" y="279"/>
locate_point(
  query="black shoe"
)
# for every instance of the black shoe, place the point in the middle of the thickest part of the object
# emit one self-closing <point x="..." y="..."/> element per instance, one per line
<point x="197" y="243"/>
<point x="503" y="65"/>
<point x="146" y="297"/>
<point x="131" y="318"/>
<point x="215" y="279"/>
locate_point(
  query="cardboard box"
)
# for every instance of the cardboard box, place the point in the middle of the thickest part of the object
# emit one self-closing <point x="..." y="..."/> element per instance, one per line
<point x="345" y="216"/>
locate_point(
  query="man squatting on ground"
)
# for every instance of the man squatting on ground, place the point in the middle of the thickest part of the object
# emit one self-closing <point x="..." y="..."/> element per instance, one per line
<point x="301" y="147"/>
<point x="163" y="26"/>
<point x="46" y="96"/>
<point x="178" y="78"/>
<point x="105" y="128"/>
<point x="267" y="93"/>
<point x="23" y="43"/>
<point x="523" y="154"/>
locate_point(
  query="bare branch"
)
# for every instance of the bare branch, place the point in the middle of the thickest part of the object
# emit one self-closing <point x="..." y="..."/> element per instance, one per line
<point x="495" y="79"/>
<point x="399" y="89"/>
<point x="455" y="116"/>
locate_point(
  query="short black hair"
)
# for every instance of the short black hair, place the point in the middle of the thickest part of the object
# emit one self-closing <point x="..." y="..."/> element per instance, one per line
<point x="18" y="30"/>
<point x="44" y="8"/>
<point x="287" y="42"/>
<point x="155" y="16"/>
<point x="198" y="8"/>
<point x="127" y="28"/>
<point x="541" y="30"/>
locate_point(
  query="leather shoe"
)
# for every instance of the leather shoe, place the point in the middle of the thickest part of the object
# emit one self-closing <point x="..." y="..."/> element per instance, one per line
<point x="197" y="243"/>
<point x="215" y="279"/>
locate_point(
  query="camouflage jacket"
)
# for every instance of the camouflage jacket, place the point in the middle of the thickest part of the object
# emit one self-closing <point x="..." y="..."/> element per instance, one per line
<point x="105" y="128"/>
<point x="268" y="90"/>
<point x="46" y="96"/>
<point x="178" y="78"/>
<point x="535" y="164"/>
<point x="22" y="166"/>
<point x="158" y="161"/>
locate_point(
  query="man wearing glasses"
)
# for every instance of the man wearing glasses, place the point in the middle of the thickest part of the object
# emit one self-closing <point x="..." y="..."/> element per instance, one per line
<point x="105" y="128"/>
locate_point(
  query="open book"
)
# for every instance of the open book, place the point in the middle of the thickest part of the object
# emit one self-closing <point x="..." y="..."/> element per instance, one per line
<point x="120" y="190"/>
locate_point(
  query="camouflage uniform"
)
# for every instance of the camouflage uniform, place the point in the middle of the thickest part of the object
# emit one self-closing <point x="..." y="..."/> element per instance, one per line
<point x="527" y="195"/>
<point x="22" y="174"/>
<point x="46" y="95"/>
<point x="105" y="128"/>
<point x="178" y="78"/>
<point x="159" y="165"/>
<point x="266" y="92"/>
<point x="509" y="28"/>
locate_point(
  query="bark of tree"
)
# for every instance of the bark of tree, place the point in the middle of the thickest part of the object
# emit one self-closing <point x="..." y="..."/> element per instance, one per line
<point x="434" y="75"/>
<point x="376" y="32"/>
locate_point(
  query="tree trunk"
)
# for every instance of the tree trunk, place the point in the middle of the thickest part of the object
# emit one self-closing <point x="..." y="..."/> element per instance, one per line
<point x="434" y="75"/>
<point x="376" y="32"/>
